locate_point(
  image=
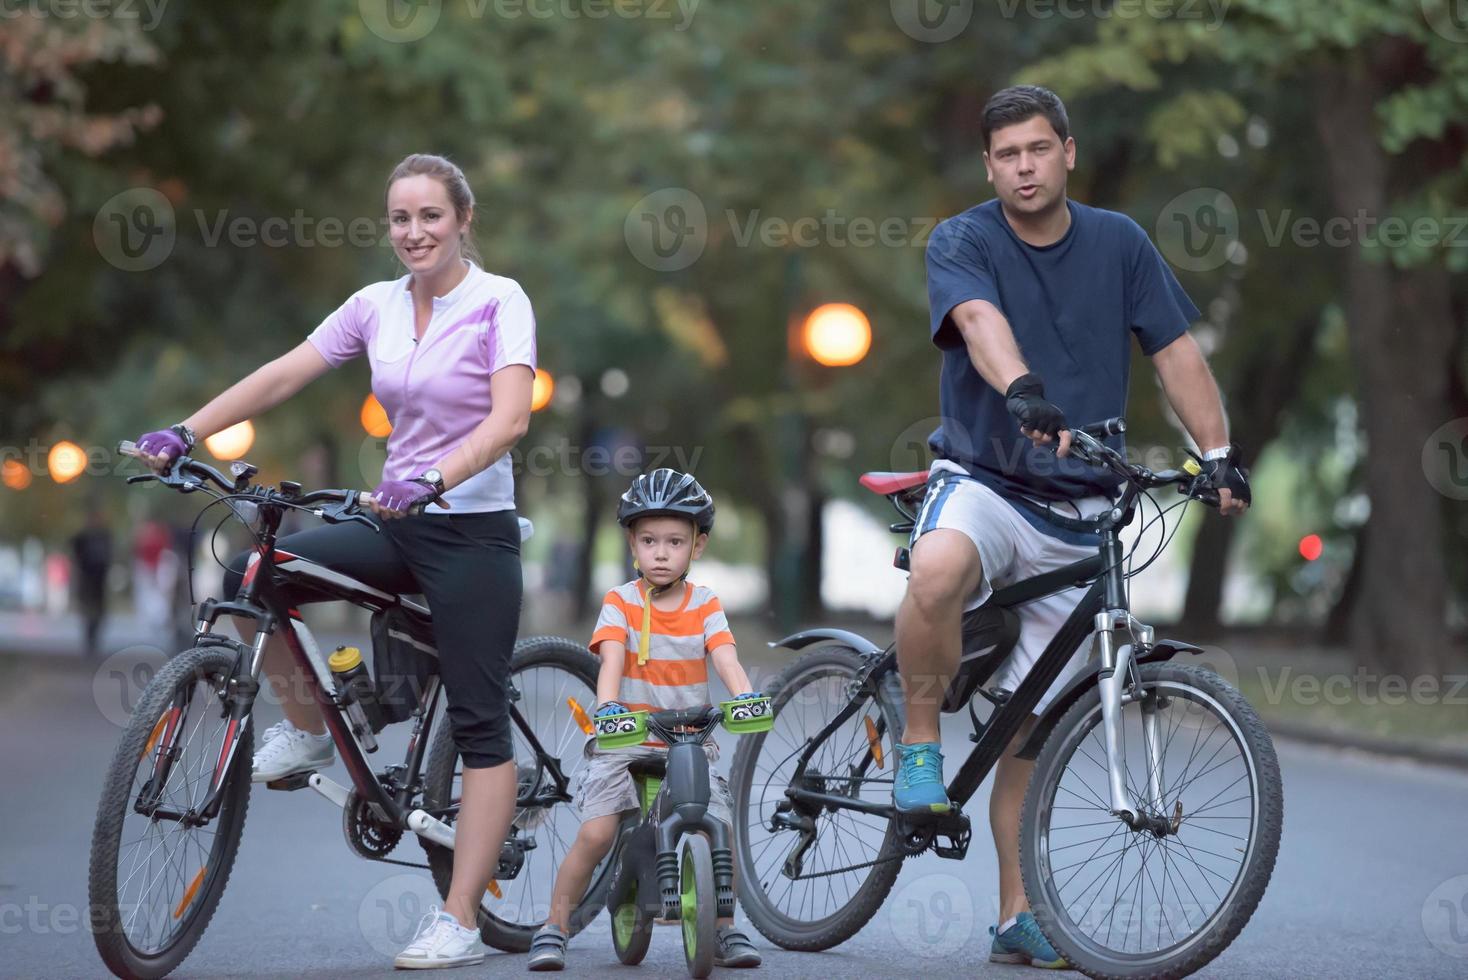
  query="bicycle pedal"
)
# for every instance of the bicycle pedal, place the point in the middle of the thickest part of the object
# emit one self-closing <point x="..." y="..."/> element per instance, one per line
<point x="296" y="780"/>
<point x="928" y="820"/>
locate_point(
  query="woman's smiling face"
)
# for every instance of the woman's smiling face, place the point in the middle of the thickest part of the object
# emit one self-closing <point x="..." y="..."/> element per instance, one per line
<point x="426" y="234"/>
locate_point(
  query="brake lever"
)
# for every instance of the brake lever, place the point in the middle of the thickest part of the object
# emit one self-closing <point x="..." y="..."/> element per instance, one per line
<point x="143" y="478"/>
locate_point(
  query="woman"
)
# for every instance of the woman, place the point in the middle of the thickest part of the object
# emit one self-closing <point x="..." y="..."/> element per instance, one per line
<point x="452" y="350"/>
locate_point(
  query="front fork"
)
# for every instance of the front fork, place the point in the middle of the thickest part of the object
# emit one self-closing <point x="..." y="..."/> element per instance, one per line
<point x="1116" y="665"/>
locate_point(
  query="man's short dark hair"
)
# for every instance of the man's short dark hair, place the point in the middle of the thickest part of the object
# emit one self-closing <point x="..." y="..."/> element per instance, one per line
<point x="1020" y="102"/>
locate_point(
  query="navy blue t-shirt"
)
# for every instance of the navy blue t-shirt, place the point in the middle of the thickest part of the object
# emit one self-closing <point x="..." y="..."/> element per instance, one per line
<point x="1072" y="306"/>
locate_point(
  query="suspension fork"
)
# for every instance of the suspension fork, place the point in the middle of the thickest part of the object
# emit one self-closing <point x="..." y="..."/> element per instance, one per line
<point x="1116" y="666"/>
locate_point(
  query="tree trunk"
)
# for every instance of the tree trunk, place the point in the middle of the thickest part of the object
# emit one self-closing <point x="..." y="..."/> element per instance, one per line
<point x="1401" y="334"/>
<point x="1258" y="399"/>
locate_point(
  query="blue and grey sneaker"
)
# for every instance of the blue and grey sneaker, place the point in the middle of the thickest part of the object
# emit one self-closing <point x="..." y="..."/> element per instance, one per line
<point x="918" y="787"/>
<point x="1023" y="943"/>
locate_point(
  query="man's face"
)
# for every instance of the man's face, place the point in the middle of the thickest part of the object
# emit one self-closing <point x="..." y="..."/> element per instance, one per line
<point x="1027" y="164"/>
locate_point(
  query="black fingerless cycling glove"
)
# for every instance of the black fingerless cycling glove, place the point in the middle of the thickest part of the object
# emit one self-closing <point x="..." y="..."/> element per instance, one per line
<point x="1229" y="473"/>
<point x="1025" y="400"/>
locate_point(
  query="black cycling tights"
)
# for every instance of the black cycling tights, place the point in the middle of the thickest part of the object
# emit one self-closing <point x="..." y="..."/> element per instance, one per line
<point x="468" y="568"/>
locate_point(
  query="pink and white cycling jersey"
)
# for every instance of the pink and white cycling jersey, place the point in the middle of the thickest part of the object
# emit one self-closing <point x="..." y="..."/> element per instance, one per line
<point x="436" y="390"/>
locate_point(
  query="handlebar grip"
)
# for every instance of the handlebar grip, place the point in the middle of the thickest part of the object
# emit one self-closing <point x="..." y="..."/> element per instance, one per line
<point x="128" y="448"/>
<point x="363" y="496"/>
<point x="1101" y="430"/>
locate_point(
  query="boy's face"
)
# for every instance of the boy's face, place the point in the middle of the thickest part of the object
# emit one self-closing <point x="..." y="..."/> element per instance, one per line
<point x="664" y="547"/>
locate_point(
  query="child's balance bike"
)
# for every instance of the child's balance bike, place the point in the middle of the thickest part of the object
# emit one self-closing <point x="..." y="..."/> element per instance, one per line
<point x="663" y="868"/>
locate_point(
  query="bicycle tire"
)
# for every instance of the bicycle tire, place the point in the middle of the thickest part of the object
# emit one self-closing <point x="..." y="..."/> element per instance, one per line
<point x="631" y="930"/>
<point x="699" y="912"/>
<point x="109" y="931"/>
<point x="831" y="930"/>
<point x="443" y="757"/>
<point x="1202" y="946"/>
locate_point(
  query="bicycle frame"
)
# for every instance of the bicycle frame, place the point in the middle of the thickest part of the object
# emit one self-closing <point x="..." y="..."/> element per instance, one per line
<point x="261" y="599"/>
<point x="1102" y="611"/>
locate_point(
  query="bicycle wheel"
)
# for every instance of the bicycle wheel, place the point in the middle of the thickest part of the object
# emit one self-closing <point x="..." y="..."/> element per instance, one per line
<point x="154" y="881"/>
<point x="549" y="673"/>
<point x="699" y="913"/>
<point x="631" y="930"/>
<point x="1118" y="902"/>
<point x="791" y="882"/>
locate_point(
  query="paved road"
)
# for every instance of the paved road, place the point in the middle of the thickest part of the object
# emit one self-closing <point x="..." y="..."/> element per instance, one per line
<point x="1368" y="846"/>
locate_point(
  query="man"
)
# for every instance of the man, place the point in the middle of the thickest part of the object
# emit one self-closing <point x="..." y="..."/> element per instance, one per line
<point x="1032" y="300"/>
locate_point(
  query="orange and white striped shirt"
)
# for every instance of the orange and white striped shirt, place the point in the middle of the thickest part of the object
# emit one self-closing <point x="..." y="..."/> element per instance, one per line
<point x="675" y="673"/>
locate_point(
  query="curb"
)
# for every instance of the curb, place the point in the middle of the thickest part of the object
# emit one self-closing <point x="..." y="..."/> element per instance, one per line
<point x="1424" y="752"/>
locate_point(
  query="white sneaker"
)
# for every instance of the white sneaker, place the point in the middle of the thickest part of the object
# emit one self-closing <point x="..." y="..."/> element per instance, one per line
<point x="440" y="942"/>
<point x="285" y="749"/>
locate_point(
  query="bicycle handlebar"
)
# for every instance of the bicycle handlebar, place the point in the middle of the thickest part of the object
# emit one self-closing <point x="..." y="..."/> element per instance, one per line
<point x="1087" y="447"/>
<point x="352" y="501"/>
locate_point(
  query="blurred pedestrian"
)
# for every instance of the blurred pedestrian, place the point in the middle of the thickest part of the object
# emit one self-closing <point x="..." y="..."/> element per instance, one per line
<point x="91" y="551"/>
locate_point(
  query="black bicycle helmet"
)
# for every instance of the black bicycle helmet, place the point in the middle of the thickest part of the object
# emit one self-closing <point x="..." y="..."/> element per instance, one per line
<point x="667" y="493"/>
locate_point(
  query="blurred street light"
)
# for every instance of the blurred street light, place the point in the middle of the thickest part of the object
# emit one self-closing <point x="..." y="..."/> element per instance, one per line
<point x="233" y="442"/>
<point x="15" y="475"/>
<point x="374" y="418"/>
<point x="543" y="390"/>
<point x="66" y="461"/>
<point x="837" y="335"/>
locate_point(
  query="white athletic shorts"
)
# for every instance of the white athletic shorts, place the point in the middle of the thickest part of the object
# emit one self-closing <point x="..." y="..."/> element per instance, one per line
<point x="1011" y="550"/>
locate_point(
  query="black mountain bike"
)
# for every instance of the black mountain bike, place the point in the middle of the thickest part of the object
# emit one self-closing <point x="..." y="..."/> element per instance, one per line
<point x="1151" y="823"/>
<point x="173" y="805"/>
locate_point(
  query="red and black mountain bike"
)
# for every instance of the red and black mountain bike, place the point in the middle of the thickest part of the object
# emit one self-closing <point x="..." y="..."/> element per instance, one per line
<point x="173" y="805"/>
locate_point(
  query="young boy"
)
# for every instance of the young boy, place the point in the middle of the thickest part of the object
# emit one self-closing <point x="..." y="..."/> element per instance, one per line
<point x="655" y="637"/>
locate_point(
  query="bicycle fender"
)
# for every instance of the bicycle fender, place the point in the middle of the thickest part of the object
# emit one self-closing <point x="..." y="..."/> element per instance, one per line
<point x="805" y="638"/>
<point x="1161" y="650"/>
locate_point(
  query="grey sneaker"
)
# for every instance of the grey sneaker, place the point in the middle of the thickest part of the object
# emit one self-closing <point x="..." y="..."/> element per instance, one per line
<point x="548" y="949"/>
<point x="733" y="948"/>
